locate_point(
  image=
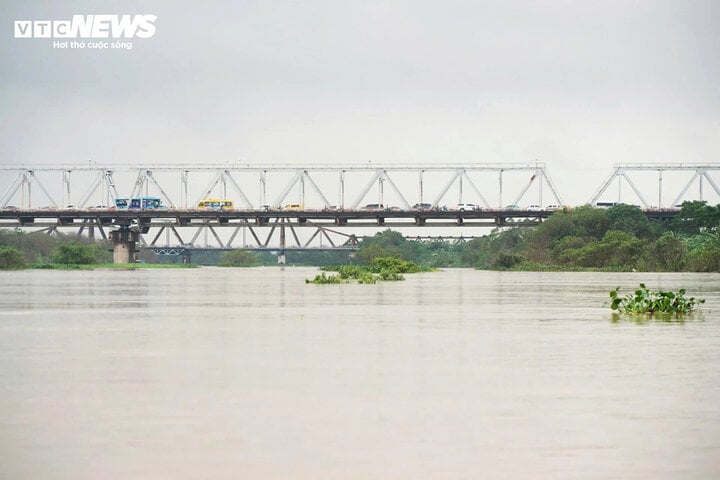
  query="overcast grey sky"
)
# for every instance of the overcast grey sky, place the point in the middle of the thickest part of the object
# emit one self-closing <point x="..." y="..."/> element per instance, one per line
<point x="578" y="85"/>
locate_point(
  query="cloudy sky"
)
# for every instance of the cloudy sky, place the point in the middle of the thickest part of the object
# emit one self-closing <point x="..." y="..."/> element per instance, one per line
<point x="578" y="85"/>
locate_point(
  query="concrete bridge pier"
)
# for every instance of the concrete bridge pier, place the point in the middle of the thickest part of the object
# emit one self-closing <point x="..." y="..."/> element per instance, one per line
<point x="124" y="245"/>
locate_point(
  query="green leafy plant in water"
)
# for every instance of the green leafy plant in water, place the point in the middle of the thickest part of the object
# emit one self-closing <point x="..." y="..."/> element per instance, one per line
<point x="647" y="302"/>
<point x="387" y="269"/>
<point x="323" y="279"/>
<point x="390" y="276"/>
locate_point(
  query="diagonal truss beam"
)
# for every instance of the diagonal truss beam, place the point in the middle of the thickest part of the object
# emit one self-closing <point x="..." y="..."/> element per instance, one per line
<point x="447" y="187"/>
<point x="386" y="177"/>
<point x="10" y="193"/>
<point x="364" y="191"/>
<point x="316" y="188"/>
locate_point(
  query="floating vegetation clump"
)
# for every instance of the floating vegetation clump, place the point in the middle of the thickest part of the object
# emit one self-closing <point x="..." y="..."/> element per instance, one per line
<point x="386" y="269"/>
<point x="323" y="279"/>
<point x="646" y="302"/>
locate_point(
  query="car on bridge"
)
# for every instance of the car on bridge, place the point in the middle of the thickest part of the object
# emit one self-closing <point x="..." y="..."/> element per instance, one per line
<point x="292" y="207"/>
<point x="422" y="206"/>
<point x="534" y="208"/>
<point x="215" y="204"/>
<point x="374" y="207"/>
<point x="145" y="203"/>
<point x="469" y="207"/>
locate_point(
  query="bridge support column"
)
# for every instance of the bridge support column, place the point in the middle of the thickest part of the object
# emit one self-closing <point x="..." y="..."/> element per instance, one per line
<point x="124" y="242"/>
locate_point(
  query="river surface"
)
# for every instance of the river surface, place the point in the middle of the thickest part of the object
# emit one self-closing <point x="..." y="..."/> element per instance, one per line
<point x="218" y="373"/>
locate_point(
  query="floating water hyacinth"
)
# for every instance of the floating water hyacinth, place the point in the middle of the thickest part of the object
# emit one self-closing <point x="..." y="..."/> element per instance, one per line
<point x="645" y="301"/>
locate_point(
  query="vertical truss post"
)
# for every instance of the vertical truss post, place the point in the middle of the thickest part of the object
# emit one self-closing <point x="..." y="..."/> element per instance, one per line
<point x="342" y="189"/>
<point x="26" y="185"/>
<point x="263" y="182"/>
<point x="66" y="187"/>
<point x="659" y="204"/>
<point x="500" y="184"/>
<point x="381" y="193"/>
<point x="420" y="179"/>
<point x="302" y="189"/>
<point x="540" y="187"/>
<point x="184" y="188"/>
<point x="282" y="234"/>
<point x="460" y="183"/>
<point x="700" y="187"/>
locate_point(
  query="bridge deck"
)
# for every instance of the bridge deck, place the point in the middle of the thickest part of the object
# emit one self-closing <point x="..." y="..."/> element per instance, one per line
<point x="356" y="218"/>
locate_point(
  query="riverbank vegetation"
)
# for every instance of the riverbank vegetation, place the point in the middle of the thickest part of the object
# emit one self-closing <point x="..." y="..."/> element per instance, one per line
<point x="19" y="249"/>
<point x="620" y="238"/>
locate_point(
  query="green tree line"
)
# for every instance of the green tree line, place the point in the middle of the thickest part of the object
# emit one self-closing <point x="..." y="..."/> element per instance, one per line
<point x="620" y="238"/>
<point x="19" y="249"/>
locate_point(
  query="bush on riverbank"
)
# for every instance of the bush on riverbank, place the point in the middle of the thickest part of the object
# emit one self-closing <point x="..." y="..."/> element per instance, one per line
<point x="11" y="259"/>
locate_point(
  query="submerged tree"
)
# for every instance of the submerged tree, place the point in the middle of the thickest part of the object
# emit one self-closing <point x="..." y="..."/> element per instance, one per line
<point x="238" y="258"/>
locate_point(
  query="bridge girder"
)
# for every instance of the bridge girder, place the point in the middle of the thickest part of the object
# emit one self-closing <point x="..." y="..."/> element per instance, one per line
<point x="329" y="185"/>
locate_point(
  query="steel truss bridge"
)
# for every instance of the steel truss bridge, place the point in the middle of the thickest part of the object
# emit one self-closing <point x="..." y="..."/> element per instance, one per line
<point x="327" y="203"/>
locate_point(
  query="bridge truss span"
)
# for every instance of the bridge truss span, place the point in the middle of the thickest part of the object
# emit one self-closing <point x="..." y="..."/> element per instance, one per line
<point x="694" y="174"/>
<point x="489" y="185"/>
